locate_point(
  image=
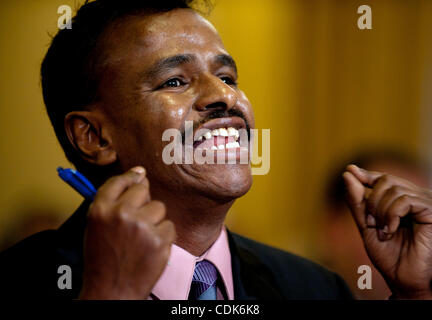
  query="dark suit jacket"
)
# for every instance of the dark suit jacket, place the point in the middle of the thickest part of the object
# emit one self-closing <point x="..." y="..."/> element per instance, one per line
<point x="30" y="268"/>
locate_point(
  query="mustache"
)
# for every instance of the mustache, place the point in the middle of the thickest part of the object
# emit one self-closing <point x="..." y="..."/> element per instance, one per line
<point x="216" y="115"/>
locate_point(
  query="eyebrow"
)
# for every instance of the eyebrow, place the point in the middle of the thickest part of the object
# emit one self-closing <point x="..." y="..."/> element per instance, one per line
<point x="167" y="64"/>
<point x="226" y="60"/>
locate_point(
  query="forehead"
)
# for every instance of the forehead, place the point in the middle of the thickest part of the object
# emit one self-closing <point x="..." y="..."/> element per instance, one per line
<point x="160" y="35"/>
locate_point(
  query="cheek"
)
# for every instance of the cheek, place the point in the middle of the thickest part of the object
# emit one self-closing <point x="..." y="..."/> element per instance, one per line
<point x="174" y="115"/>
<point x="171" y="112"/>
<point x="246" y="107"/>
<point x="158" y="113"/>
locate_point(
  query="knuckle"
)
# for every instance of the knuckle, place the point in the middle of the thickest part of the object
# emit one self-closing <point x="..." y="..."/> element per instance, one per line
<point x="122" y="209"/>
<point x="96" y="211"/>
<point x="121" y="214"/>
<point x="395" y="190"/>
<point x="387" y="178"/>
<point x="390" y="214"/>
<point x="157" y="242"/>
<point x="404" y="198"/>
<point x="159" y="206"/>
<point x="119" y="219"/>
<point x="144" y="227"/>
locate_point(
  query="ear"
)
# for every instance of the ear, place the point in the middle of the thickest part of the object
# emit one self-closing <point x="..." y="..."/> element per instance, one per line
<point x="89" y="135"/>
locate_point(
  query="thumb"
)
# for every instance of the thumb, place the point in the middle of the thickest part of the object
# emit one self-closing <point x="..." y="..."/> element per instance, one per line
<point x="355" y="198"/>
<point x="364" y="176"/>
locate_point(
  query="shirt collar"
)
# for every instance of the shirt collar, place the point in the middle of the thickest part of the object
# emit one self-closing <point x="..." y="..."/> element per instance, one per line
<point x="176" y="279"/>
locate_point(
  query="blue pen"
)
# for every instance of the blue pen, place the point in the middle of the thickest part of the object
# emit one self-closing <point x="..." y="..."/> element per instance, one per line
<point x="77" y="181"/>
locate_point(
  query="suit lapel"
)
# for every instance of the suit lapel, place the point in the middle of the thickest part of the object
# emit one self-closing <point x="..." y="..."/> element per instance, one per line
<point x="252" y="279"/>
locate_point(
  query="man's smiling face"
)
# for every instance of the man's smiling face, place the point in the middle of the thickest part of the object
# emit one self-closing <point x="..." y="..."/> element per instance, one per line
<point x="160" y="71"/>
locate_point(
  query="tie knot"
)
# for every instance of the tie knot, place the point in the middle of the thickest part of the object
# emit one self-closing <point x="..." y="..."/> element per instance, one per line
<point x="204" y="281"/>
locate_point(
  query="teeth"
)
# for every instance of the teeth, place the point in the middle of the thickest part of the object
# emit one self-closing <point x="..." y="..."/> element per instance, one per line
<point x="232" y="145"/>
<point x="231" y="132"/>
<point x="223" y="132"/>
<point x="229" y="145"/>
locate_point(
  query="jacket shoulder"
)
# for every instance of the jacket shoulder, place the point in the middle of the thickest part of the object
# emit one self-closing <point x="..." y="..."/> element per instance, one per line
<point x="28" y="265"/>
<point x="34" y="245"/>
<point x="297" y="277"/>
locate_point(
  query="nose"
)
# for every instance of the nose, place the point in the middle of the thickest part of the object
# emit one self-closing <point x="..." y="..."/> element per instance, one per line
<point x="215" y="94"/>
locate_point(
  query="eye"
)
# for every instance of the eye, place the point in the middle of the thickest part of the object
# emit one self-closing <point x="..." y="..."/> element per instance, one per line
<point x="173" y="83"/>
<point x="228" y="80"/>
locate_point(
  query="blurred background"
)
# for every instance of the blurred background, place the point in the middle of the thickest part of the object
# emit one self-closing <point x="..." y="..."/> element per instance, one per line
<point x="331" y="94"/>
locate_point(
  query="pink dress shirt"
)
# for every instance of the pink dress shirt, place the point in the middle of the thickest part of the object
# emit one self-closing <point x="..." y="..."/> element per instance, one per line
<point x="176" y="279"/>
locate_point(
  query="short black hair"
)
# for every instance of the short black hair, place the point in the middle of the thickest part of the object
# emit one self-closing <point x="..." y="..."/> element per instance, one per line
<point x="69" y="71"/>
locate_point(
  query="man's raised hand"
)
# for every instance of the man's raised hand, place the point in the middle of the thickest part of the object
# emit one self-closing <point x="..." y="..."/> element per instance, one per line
<point x="394" y="217"/>
<point x="127" y="241"/>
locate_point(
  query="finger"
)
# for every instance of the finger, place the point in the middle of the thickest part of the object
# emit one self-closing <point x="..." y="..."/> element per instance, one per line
<point x="136" y="195"/>
<point x="355" y="199"/>
<point x="419" y="208"/>
<point x="166" y="231"/>
<point x="383" y="184"/>
<point x="153" y="212"/>
<point x="364" y="176"/>
<point x="387" y="200"/>
<point x="115" y="186"/>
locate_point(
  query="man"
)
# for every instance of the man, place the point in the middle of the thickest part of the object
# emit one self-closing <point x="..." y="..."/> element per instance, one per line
<point x="126" y="72"/>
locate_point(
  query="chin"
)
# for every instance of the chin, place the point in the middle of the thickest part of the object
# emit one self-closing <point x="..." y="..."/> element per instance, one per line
<point x="227" y="182"/>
